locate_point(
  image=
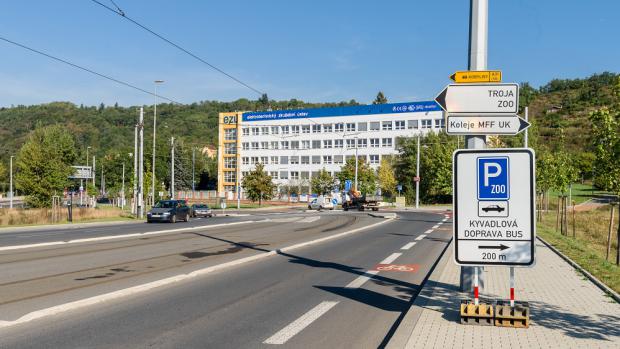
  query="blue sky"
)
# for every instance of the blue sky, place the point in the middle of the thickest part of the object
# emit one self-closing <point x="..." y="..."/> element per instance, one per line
<point x="312" y="50"/>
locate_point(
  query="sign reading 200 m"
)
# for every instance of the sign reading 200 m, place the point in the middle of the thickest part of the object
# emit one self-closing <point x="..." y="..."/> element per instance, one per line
<point x="494" y="207"/>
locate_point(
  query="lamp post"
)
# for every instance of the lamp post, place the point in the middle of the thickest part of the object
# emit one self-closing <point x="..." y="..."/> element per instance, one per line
<point x="417" y="174"/>
<point x="355" y="162"/>
<point x="11" y="182"/>
<point x="154" y="139"/>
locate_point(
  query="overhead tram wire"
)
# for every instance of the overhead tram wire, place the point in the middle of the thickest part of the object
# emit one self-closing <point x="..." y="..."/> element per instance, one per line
<point x="120" y="12"/>
<point x="87" y="70"/>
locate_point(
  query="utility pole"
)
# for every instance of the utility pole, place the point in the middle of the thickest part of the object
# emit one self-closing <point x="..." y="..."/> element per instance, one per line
<point x="94" y="169"/>
<point x="193" y="170"/>
<point x="134" y="206"/>
<point x="11" y="182"/>
<point x="472" y="277"/>
<point x="355" y="162"/>
<point x="172" y="169"/>
<point x="154" y="142"/>
<point x="141" y="166"/>
<point x="417" y="174"/>
<point x="123" y="189"/>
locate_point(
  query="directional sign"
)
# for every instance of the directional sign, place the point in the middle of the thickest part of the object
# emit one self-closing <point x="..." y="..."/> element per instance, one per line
<point x="477" y="76"/>
<point x="486" y="125"/>
<point x="480" y="99"/>
<point x="494" y="207"/>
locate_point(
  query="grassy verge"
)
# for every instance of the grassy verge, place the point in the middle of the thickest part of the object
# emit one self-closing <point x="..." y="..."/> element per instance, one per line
<point x="580" y="193"/>
<point x="589" y="245"/>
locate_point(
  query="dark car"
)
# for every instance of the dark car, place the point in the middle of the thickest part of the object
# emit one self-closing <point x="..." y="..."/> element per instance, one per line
<point x="202" y="210"/>
<point x="169" y="211"/>
<point x="497" y="208"/>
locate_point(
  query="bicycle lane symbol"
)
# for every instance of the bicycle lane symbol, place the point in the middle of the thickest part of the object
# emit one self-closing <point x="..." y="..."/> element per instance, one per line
<point x="408" y="268"/>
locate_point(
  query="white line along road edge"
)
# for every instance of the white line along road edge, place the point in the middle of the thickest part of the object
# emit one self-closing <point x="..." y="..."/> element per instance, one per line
<point x="302" y="322"/>
<point x="38" y="314"/>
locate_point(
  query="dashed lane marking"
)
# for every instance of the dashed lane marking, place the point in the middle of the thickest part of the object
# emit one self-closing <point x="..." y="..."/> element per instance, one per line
<point x="391" y="258"/>
<point x="420" y="237"/>
<point x="302" y="322"/>
<point x="408" y="245"/>
<point x="360" y="280"/>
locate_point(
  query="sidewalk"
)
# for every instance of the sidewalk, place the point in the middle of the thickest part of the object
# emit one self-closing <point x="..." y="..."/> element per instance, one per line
<point x="567" y="310"/>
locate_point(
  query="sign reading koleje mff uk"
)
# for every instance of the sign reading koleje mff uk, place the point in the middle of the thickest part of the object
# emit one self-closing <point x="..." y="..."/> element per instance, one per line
<point x="494" y="207"/>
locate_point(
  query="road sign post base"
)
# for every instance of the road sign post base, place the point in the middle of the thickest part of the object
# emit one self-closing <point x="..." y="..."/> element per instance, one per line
<point x="507" y="316"/>
<point x="472" y="314"/>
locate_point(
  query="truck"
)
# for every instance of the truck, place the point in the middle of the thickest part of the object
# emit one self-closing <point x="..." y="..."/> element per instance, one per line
<point x="354" y="199"/>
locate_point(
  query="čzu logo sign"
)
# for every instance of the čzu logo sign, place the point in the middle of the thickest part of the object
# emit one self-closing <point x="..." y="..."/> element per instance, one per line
<point x="230" y="119"/>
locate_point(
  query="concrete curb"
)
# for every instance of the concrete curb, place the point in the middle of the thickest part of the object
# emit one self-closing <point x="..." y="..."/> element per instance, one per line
<point x="389" y="215"/>
<point x="9" y="229"/>
<point x="613" y="294"/>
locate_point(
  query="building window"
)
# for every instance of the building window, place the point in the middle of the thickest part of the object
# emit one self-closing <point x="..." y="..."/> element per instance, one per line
<point x="412" y="124"/>
<point x="386" y="125"/>
<point x="230" y="163"/>
<point x="351" y="143"/>
<point x="254" y="160"/>
<point x="274" y="145"/>
<point x="316" y="128"/>
<point x="327" y="143"/>
<point x="264" y="145"/>
<point x="294" y="144"/>
<point x="305" y="160"/>
<point x="254" y="145"/>
<point x="284" y="160"/>
<point x="362" y="142"/>
<point x="283" y="175"/>
<point x="264" y="160"/>
<point x="230" y="134"/>
<point x="246" y="131"/>
<point x="230" y="176"/>
<point x="316" y="159"/>
<point x="294" y="175"/>
<point x="245" y="146"/>
<point x="399" y="125"/>
<point x="255" y="131"/>
<point x="295" y="129"/>
<point x="305" y="144"/>
<point x="327" y="159"/>
<point x="427" y="123"/>
<point x="274" y="174"/>
<point x="327" y="128"/>
<point x="230" y="148"/>
<point x="351" y="127"/>
<point x="264" y="130"/>
<point x="386" y="142"/>
<point x="275" y="130"/>
<point x="304" y="175"/>
<point x="316" y="144"/>
<point x="294" y="160"/>
<point x="349" y="157"/>
<point x="375" y="126"/>
<point x="362" y="126"/>
<point x="274" y="160"/>
<point x="284" y="144"/>
<point x="339" y="127"/>
<point x="439" y="123"/>
<point x="245" y="160"/>
<point x="338" y="143"/>
<point x="285" y="130"/>
<point x="374" y="142"/>
<point x="305" y="129"/>
<point x="338" y="159"/>
<point x="374" y="159"/>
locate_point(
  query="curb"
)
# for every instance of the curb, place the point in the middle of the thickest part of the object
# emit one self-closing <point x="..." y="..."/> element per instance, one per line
<point x="591" y="277"/>
<point x="77" y="225"/>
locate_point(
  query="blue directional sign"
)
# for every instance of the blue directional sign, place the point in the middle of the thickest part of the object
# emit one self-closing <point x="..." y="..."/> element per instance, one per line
<point x="347" y="185"/>
<point x="335" y="201"/>
<point x="493" y="181"/>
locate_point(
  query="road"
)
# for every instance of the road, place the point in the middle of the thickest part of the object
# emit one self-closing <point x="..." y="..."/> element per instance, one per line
<point x="325" y="294"/>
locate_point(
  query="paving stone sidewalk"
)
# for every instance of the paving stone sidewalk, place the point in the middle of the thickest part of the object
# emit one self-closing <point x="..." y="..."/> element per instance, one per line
<point x="567" y="310"/>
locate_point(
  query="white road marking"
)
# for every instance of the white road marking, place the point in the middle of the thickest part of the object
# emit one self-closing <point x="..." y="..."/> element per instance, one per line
<point x="360" y="280"/>
<point x="391" y="258"/>
<point x="124" y="236"/>
<point x="298" y="325"/>
<point x="435" y="226"/>
<point x="420" y="237"/>
<point x="38" y="314"/>
<point x="428" y="232"/>
<point x="408" y="246"/>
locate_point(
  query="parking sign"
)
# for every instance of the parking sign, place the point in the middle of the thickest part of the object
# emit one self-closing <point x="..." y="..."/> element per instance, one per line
<point x="493" y="181"/>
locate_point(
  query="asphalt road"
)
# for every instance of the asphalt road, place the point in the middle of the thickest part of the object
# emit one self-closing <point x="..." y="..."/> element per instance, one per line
<point x="317" y="296"/>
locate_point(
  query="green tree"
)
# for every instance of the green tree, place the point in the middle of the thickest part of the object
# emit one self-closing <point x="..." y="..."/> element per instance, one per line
<point x="44" y="164"/>
<point x="323" y="183"/>
<point x="366" y="178"/>
<point x="606" y="142"/>
<point x="380" y="99"/>
<point x="386" y="177"/>
<point x="258" y="185"/>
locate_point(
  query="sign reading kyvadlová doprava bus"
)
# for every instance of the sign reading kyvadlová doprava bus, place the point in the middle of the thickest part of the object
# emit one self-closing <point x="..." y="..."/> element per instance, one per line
<point x="494" y="207"/>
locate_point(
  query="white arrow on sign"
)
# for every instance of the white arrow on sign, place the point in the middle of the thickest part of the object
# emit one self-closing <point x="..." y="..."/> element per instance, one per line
<point x="486" y="125"/>
<point x="480" y="99"/>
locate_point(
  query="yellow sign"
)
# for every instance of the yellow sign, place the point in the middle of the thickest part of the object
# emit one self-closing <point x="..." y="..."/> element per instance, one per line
<point x="477" y="76"/>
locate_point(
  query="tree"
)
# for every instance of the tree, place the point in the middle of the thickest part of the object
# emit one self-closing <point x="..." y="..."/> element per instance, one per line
<point x="258" y="185"/>
<point x="44" y="164"/>
<point x="367" y="181"/>
<point x="263" y="101"/>
<point x="606" y="142"/>
<point x="385" y="174"/>
<point x="323" y="183"/>
<point x="380" y="99"/>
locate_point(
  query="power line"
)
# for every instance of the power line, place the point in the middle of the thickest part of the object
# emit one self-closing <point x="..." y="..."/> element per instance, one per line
<point x="86" y="69"/>
<point x="119" y="12"/>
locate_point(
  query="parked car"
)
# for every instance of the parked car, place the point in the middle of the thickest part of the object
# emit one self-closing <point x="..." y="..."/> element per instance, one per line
<point x="202" y="210"/>
<point x="169" y="211"/>
<point x="321" y="203"/>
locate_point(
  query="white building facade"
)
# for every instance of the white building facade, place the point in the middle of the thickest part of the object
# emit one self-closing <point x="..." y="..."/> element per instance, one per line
<point x="294" y="145"/>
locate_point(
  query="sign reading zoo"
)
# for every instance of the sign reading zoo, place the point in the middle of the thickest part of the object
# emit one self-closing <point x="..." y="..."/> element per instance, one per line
<point x="494" y="207"/>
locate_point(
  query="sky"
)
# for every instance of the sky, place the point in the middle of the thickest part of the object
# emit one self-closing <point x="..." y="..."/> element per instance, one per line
<point x="316" y="51"/>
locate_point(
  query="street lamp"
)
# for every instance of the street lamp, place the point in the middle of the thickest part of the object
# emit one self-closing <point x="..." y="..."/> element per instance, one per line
<point x="355" y="162"/>
<point x="154" y="139"/>
<point x="11" y="182"/>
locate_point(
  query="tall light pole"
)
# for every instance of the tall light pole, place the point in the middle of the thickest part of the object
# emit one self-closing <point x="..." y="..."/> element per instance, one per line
<point x="11" y="182"/>
<point x="355" y="162"/>
<point x="172" y="169"/>
<point x="141" y="166"/>
<point x="193" y="170"/>
<point x="417" y="174"/>
<point x="154" y="140"/>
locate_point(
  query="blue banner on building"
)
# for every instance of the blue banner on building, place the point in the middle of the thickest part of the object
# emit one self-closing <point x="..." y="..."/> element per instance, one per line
<point x="373" y="109"/>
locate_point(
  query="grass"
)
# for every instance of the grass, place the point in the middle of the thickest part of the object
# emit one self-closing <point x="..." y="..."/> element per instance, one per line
<point x="589" y="246"/>
<point x="580" y="193"/>
<point x="38" y="216"/>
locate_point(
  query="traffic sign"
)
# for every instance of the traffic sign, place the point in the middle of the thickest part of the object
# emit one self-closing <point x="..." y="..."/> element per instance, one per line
<point x="347" y="185"/>
<point x="494" y="207"/>
<point x="479" y="99"/>
<point x="486" y="125"/>
<point x="477" y="76"/>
